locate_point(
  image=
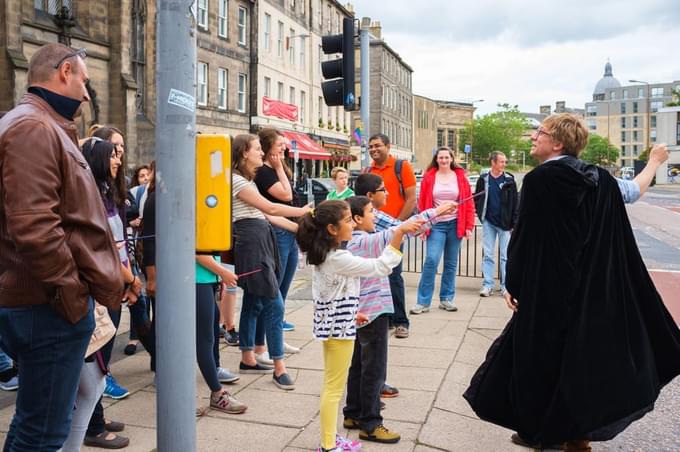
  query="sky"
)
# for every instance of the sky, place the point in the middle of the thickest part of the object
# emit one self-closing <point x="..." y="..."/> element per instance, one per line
<point x="528" y="52"/>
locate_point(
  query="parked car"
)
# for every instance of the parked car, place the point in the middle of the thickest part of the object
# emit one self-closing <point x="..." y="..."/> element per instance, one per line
<point x="627" y="172"/>
<point x="320" y="187"/>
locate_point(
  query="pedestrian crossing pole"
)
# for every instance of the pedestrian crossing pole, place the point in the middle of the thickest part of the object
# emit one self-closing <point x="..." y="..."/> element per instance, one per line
<point x="175" y="226"/>
<point x="364" y="46"/>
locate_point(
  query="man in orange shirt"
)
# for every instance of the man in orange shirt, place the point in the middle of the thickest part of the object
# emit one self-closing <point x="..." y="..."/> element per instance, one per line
<point x="401" y="201"/>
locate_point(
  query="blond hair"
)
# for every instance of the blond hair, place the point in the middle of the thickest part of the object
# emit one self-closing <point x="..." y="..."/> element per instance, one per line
<point x="337" y="170"/>
<point x="569" y="130"/>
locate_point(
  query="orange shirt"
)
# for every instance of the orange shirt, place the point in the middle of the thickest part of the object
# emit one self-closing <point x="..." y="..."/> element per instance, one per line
<point x="395" y="202"/>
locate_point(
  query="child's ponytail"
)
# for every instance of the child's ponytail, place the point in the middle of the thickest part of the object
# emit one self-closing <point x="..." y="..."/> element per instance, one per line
<point x="313" y="237"/>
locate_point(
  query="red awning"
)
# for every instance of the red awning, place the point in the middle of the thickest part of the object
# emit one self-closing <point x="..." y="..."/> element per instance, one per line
<point x="306" y="147"/>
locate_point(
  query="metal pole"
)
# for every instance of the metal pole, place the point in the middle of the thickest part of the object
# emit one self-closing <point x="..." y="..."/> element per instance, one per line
<point x="364" y="38"/>
<point x="175" y="226"/>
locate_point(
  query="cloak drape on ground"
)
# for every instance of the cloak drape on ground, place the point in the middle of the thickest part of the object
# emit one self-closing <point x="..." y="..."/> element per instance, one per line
<point x="592" y="343"/>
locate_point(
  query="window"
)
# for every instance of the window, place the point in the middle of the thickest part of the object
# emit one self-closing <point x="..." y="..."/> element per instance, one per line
<point x="222" y="18"/>
<point x="652" y="120"/>
<point x="625" y="94"/>
<point x="279" y="40"/>
<point x="635" y="122"/>
<point x="303" y="111"/>
<point x="612" y="95"/>
<point x="267" y="87"/>
<point x="440" y="137"/>
<point x="623" y="137"/>
<point x="202" y="84"/>
<point x="138" y="52"/>
<point x="52" y="6"/>
<point x="656" y="105"/>
<point x="337" y="22"/>
<point x="657" y="92"/>
<point x="652" y="136"/>
<point x="267" y="32"/>
<point x="623" y="122"/>
<point x="320" y="14"/>
<point x="303" y="55"/>
<point x="222" y="88"/>
<point x="242" y="93"/>
<point x="203" y="14"/>
<point x="623" y="108"/>
<point x="451" y="138"/>
<point x="242" y="28"/>
<point x="280" y="91"/>
<point x="291" y="96"/>
<point x="635" y="135"/>
<point x="320" y="106"/>
<point x="329" y="18"/>
<point x="677" y="133"/>
<point x="291" y="47"/>
<point x="592" y="124"/>
<point x="591" y="110"/>
<point x="636" y="148"/>
<point x="641" y="92"/>
<point x="635" y="107"/>
<point x="623" y="151"/>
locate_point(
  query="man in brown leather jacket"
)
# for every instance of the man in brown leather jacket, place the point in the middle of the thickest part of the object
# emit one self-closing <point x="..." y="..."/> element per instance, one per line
<point x="56" y="250"/>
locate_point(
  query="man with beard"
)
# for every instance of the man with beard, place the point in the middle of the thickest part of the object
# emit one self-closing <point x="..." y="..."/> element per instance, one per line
<point x="590" y="344"/>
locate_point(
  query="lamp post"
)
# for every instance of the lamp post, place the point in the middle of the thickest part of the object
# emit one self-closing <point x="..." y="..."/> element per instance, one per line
<point x="472" y="132"/>
<point x="649" y="107"/>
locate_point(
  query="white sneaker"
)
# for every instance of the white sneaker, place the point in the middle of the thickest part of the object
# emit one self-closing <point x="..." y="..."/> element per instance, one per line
<point x="224" y="376"/>
<point x="287" y="348"/>
<point x="486" y="292"/>
<point x="419" y="309"/>
<point x="448" y="306"/>
<point x="264" y="359"/>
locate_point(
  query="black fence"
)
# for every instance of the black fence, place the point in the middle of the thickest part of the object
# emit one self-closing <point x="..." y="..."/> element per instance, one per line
<point x="469" y="255"/>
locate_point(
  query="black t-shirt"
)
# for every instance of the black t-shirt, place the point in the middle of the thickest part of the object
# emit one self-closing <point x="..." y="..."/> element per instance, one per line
<point x="149" y="230"/>
<point x="265" y="177"/>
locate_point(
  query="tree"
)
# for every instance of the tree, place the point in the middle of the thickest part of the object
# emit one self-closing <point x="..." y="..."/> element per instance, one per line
<point x="499" y="131"/>
<point x="676" y="98"/>
<point x="600" y="151"/>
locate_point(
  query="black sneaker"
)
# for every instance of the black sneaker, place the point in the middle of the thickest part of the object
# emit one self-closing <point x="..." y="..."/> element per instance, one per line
<point x="284" y="382"/>
<point x="256" y="369"/>
<point x="231" y="337"/>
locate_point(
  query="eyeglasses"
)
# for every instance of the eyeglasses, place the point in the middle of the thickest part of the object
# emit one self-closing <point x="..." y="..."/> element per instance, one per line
<point x="82" y="53"/>
<point x="375" y="146"/>
<point x="380" y="189"/>
<point x="540" y="131"/>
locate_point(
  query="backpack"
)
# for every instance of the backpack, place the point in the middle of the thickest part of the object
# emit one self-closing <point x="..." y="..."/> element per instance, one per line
<point x="398" y="165"/>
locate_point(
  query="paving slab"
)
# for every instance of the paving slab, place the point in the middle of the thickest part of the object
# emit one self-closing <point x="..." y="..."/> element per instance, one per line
<point x="410" y="406"/>
<point x="423" y="379"/>
<point x="474" y="348"/>
<point x="450" y="398"/>
<point x="217" y="434"/>
<point x="141" y="440"/>
<point x="418" y="357"/>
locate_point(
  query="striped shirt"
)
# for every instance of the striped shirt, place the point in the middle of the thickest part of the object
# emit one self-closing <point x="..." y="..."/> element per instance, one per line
<point x="240" y="209"/>
<point x="335" y="290"/>
<point x="375" y="296"/>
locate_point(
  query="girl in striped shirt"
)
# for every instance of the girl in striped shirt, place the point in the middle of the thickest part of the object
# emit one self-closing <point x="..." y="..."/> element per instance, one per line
<point x="335" y="290"/>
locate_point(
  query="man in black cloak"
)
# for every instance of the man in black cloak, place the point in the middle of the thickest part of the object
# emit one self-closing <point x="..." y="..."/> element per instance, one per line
<point x="591" y="343"/>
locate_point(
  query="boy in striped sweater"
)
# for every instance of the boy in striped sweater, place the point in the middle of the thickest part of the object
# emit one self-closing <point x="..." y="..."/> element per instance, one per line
<point x="369" y="361"/>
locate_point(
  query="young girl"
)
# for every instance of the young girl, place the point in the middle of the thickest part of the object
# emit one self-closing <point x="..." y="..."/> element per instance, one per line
<point x="335" y="289"/>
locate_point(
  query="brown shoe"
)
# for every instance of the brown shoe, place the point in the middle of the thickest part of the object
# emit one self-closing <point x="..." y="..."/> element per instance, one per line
<point x="515" y="438"/>
<point x="401" y="332"/>
<point x="577" y="446"/>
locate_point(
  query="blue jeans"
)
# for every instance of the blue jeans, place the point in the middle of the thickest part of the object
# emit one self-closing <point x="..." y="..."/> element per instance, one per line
<point x="442" y="239"/>
<point x="5" y="361"/>
<point x="489" y="234"/>
<point x="50" y="352"/>
<point x="268" y="312"/>
<point x="288" y="259"/>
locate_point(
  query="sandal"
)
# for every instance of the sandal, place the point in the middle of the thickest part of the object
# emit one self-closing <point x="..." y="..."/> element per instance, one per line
<point x="113" y="426"/>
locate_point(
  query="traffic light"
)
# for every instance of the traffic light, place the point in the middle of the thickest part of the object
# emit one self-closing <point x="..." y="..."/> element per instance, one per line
<point x="338" y="89"/>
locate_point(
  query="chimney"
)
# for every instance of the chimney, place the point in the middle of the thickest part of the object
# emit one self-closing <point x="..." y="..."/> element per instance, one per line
<point x="376" y="29"/>
<point x="560" y="106"/>
<point x="544" y="109"/>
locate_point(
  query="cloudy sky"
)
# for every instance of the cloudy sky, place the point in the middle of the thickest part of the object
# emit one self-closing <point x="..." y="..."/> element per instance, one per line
<point x="528" y="52"/>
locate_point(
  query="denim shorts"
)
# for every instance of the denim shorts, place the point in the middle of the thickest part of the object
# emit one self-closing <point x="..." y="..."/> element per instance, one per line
<point x="232" y="269"/>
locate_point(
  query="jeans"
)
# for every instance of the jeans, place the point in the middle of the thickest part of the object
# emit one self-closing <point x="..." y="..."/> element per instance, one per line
<point x="489" y="234"/>
<point x="443" y="238"/>
<point x="5" y="362"/>
<point x="205" y="334"/>
<point x="50" y="351"/>
<point x="268" y="311"/>
<point x="90" y="389"/>
<point x="142" y="327"/>
<point x="288" y="259"/>
<point x="398" y="297"/>
<point x="367" y="374"/>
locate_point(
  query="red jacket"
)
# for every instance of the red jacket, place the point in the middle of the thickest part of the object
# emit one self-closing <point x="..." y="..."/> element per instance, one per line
<point x="466" y="210"/>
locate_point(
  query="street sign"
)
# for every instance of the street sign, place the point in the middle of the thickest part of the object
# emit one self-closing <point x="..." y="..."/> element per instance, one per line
<point x="468" y="148"/>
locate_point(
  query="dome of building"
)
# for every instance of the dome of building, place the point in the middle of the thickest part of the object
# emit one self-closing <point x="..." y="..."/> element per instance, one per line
<point x="606" y="82"/>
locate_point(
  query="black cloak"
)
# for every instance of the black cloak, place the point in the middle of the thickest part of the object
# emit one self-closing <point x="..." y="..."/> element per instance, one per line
<point x="592" y="343"/>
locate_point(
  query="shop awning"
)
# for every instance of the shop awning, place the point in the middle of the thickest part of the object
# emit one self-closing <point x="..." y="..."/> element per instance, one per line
<point x="306" y="147"/>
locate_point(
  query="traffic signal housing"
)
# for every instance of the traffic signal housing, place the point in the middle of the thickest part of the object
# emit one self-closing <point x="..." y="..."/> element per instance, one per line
<point x="338" y="89"/>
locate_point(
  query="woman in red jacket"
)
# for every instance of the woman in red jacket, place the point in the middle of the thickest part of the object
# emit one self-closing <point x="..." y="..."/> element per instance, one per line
<point x="444" y="181"/>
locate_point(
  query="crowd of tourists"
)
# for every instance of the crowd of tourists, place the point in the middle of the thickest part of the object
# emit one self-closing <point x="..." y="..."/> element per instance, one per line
<point x="77" y="245"/>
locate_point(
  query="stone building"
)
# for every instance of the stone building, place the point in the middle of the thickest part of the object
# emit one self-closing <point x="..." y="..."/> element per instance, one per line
<point x="424" y="131"/>
<point x="120" y="41"/>
<point x="627" y="115"/>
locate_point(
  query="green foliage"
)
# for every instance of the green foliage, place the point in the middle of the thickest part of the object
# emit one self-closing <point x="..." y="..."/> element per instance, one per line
<point x="600" y="151"/>
<point x="499" y="131"/>
<point x="676" y="98"/>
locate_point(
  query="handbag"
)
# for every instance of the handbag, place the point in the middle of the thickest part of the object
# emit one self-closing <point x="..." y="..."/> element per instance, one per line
<point x="104" y="329"/>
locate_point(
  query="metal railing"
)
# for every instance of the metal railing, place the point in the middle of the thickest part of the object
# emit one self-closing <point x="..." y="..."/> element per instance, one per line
<point x="469" y="255"/>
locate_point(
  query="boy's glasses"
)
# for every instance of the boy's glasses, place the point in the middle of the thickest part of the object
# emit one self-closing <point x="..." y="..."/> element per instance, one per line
<point x="381" y="189"/>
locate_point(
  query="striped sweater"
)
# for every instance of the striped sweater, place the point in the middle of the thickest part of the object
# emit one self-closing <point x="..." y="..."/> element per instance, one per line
<point x="335" y="290"/>
<point x="375" y="297"/>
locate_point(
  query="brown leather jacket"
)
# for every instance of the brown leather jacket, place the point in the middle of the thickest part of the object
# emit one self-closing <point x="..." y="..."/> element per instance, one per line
<point x="55" y="243"/>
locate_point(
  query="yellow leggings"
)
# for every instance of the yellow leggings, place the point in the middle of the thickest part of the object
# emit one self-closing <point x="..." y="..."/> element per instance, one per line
<point x="337" y="357"/>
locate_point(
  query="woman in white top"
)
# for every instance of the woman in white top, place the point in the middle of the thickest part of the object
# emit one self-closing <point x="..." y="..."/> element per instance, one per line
<point x="256" y="260"/>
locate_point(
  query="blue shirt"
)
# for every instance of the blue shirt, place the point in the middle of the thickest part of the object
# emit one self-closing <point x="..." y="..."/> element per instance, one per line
<point x="493" y="201"/>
